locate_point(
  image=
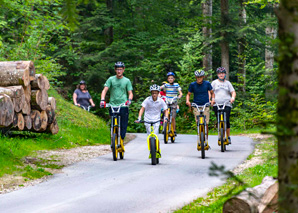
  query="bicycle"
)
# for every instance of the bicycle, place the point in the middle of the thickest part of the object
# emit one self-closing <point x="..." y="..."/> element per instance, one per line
<point x="153" y="144"/>
<point x="201" y="128"/>
<point x="168" y="130"/>
<point x="117" y="144"/>
<point x="221" y="125"/>
<point x="86" y="108"/>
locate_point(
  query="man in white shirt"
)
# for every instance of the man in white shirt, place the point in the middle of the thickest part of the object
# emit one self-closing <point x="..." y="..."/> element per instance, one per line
<point x="152" y="106"/>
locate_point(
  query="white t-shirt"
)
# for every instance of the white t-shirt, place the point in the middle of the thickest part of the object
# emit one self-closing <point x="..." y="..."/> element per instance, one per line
<point x="153" y="108"/>
<point x="222" y="91"/>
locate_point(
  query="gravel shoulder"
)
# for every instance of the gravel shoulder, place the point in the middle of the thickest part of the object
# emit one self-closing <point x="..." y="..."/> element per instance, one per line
<point x="59" y="158"/>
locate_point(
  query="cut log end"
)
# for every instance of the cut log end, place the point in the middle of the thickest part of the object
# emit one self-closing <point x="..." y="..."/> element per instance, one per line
<point x="7" y="111"/>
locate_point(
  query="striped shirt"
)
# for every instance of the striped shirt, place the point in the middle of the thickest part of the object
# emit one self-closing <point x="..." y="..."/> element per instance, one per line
<point x="172" y="90"/>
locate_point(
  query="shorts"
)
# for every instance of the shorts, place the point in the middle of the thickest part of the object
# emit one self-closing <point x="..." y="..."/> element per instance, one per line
<point x="174" y="109"/>
<point x="155" y="127"/>
<point x="206" y="113"/>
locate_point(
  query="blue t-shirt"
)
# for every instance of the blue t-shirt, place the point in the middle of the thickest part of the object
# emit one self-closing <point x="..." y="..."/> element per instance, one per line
<point x="83" y="98"/>
<point x="200" y="92"/>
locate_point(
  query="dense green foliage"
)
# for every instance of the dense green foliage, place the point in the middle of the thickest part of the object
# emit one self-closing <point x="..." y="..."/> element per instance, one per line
<point x="76" y="128"/>
<point x="74" y="40"/>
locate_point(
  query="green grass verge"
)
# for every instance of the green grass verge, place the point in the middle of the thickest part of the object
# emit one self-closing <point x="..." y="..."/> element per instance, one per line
<point x="214" y="200"/>
<point x="76" y="128"/>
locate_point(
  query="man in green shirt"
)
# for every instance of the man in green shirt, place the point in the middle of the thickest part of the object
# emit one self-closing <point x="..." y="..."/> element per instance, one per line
<point x="120" y="92"/>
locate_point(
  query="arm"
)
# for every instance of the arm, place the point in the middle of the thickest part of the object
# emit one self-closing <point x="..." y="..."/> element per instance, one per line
<point x="233" y="96"/>
<point x="92" y="103"/>
<point x="104" y="92"/>
<point x="130" y="95"/>
<point x="180" y="94"/>
<point x="210" y="97"/>
<point x="187" y="99"/>
<point x="74" y="98"/>
<point x="141" y="113"/>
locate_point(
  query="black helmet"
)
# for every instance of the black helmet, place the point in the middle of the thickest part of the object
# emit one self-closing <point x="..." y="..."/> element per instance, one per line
<point x="221" y="70"/>
<point x="82" y="82"/>
<point x="119" y="64"/>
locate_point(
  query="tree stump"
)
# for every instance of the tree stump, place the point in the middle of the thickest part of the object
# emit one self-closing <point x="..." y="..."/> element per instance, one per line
<point x="39" y="99"/>
<point x="249" y="200"/>
<point x="36" y="120"/>
<point x="12" y="75"/>
<point x="7" y="111"/>
<point x="50" y="113"/>
<point x="52" y="102"/>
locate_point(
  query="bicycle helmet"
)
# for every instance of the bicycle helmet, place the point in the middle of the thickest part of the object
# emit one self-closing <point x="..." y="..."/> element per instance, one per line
<point x="155" y="87"/>
<point x="170" y="73"/>
<point x="199" y="73"/>
<point x="82" y="82"/>
<point x="221" y="70"/>
<point x="119" y="64"/>
<point x="164" y="82"/>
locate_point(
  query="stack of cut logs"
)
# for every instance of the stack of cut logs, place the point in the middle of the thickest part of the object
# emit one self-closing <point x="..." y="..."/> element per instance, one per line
<point x="24" y="101"/>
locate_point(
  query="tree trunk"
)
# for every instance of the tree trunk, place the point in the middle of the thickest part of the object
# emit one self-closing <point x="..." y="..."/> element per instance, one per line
<point x="10" y="75"/>
<point x="40" y="83"/>
<point x="27" y="106"/>
<point x="29" y="65"/>
<point x="53" y="127"/>
<point x="6" y="112"/>
<point x="52" y="102"/>
<point x="224" y="45"/>
<point x="36" y="120"/>
<point x="16" y="93"/>
<point x="44" y="121"/>
<point x="252" y="199"/>
<point x="39" y="99"/>
<point x="109" y="33"/>
<point x="241" y="49"/>
<point x="287" y="108"/>
<point x="28" y="122"/>
<point x="207" y="33"/>
<point x="50" y="113"/>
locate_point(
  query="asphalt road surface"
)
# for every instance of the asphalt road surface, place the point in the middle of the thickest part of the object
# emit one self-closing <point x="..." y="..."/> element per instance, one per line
<point x="132" y="184"/>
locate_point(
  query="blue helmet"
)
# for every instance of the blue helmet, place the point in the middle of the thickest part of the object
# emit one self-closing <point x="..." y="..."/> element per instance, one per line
<point x="170" y="74"/>
<point x="82" y="82"/>
<point x="119" y="64"/>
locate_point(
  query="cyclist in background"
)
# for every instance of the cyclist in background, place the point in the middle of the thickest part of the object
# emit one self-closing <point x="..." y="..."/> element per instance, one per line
<point x="81" y="96"/>
<point x="172" y="90"/>
<point x="120" y="92"/>
<point x="202" y="91"/>
<point x="152" y="106"/>
<point x="223" y="92"/>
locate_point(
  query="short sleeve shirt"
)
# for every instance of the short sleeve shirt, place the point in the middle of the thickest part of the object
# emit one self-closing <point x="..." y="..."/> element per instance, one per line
<point x="200" y="91"/>
<point x="83" y="97"/>
<point x="118" y="89"/>
<point x="222" y="91"/>
<point x="172" y="90"/>
<point x="153" y="108"/>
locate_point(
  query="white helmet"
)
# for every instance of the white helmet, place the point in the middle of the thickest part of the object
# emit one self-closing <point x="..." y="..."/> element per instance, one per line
<point x="199" y="73"/>
<point x="155" y="87"/>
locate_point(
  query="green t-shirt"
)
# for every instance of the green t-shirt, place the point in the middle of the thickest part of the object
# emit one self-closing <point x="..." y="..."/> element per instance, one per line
<point x="118" y="89"/>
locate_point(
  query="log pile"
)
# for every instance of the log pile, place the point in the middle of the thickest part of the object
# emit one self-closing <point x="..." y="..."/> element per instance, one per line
<point x="24" y="101"/>
<point x="260" y="199"/>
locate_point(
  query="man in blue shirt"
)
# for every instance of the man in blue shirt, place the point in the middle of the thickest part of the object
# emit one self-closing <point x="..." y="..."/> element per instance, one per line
<point x="202" y="91"/>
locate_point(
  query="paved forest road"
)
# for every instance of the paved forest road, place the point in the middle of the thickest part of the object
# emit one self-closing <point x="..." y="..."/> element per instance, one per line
<point x="132" y="184"/>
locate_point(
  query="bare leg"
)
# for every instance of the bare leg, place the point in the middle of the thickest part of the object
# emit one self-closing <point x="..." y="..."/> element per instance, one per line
<point x="228" y="132"/>
<point x="174" y="124"/>
<point x="207" y="131"/>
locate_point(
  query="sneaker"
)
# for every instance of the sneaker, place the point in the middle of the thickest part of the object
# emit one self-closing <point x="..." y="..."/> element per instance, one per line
<point x="230" y="142"/>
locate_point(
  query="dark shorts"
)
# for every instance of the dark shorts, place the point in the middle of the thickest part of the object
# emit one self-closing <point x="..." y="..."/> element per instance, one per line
<point x="228" y="112"/>
<point x="123" y="120"/>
